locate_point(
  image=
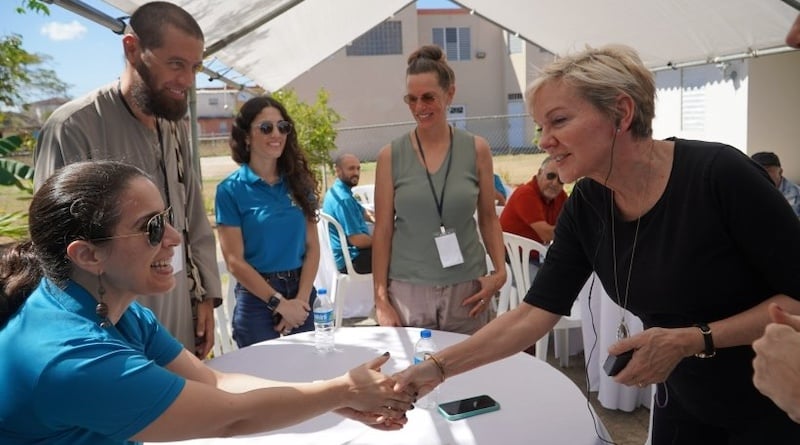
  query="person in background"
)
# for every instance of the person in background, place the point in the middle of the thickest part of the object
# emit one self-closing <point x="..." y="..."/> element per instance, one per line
<point x="84" y="363"/>
<point x="793" y="36"/>
<point x="140" y="119"/>
<point x="534" y="207"/>
<point x="428" y="264"/>
<point x="499" y="191"/>
<point x="777" y="363"/>
<point x="667" y="225"/>
<point x="772" y="165"/>
<point x="266" y="219"/>
<point x="340" y="203"/>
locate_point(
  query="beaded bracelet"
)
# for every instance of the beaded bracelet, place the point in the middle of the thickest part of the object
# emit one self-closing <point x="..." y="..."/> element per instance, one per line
<point x="438" y="364"/>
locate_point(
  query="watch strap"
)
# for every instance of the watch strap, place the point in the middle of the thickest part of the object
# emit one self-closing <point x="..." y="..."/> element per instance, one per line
<point x="709" y="350"/>
<point x="274" y="301"/>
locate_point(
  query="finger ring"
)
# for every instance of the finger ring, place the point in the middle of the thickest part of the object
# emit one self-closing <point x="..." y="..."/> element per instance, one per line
<point x="482" y="301"/>
<point x="641" y="385"/>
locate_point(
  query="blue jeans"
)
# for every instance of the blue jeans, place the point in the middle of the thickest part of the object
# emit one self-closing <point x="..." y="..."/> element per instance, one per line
<point x="252" y="320"/>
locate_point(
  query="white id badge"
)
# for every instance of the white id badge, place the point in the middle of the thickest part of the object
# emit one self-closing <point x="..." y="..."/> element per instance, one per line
<point x="447" y="245"/>
<point x="177" y="258"/>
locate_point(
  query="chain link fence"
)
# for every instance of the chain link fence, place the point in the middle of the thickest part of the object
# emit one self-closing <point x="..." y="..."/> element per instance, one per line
<point x="507" y="134"/>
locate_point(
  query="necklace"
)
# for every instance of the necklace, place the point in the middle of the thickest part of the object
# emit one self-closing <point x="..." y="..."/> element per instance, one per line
<point x="622" y="329"/>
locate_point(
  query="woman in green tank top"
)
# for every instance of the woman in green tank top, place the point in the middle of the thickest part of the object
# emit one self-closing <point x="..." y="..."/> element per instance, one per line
<point x="429" y="266"/>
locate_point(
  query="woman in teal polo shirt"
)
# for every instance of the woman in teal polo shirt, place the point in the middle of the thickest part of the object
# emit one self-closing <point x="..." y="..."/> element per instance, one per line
<point x="266" y="218"/>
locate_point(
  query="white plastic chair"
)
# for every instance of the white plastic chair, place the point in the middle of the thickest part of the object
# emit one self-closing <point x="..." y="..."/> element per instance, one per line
<point x="342" y="286"/>
<point x="223" y="314"/>
<point x="365" y="194"/>
<point x="519" y="250"/>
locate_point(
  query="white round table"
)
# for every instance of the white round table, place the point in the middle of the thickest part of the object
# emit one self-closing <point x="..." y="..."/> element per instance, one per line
<point x="538" y="404"/>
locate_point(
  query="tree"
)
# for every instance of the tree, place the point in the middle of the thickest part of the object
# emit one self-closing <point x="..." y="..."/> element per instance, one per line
<point x="316" y="122"/>
<point x="32" y="5"/>
<point x="23" y="74"/>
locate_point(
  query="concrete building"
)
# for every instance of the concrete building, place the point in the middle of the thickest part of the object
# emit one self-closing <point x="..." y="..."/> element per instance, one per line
<point x="750" y="103"/>
<point x="366" y="79"/>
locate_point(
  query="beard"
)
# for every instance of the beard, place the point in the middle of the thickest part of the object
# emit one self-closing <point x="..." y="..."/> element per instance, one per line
<point x="152" y="101"/>
<point x="352" y="181"/>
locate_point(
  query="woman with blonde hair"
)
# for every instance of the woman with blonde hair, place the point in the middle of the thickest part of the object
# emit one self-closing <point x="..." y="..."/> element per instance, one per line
<point x="667" y="225"/>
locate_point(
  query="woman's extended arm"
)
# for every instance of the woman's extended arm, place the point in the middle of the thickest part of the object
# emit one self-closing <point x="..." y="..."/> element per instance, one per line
<point x="507" y="334"/>
<point x="247" y="404"/>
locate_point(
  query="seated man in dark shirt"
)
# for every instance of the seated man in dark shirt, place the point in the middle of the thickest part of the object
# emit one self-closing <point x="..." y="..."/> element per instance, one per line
<point x="340" y="203"/>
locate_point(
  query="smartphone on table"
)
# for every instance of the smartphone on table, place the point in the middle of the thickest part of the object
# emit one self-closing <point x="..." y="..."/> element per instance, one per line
<point x="460" y="409"/>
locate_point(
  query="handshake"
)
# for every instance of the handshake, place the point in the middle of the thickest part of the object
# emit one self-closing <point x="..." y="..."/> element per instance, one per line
<point x="381" y="401"/>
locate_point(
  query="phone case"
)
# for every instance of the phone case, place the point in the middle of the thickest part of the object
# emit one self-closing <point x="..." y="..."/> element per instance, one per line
<point x="615" y="363"/>
<point x="465" y="414"/>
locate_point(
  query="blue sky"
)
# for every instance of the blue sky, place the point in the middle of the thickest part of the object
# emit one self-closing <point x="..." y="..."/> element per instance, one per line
<point x="85" y="54"/>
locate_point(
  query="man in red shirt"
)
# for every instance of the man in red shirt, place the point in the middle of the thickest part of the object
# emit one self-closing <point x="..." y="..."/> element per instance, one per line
<point x="533" y="208"/>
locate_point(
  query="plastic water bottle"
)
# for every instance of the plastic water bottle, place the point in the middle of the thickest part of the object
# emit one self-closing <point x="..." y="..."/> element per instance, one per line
<point x="323" y="322"/>
<point x="422" y="348"/>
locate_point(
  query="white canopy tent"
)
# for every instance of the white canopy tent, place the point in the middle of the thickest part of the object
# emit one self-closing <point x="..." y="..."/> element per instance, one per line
<point x="274" y="41"/>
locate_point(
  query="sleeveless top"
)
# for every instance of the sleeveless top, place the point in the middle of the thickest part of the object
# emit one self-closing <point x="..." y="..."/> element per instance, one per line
<point x="414" y="257"/>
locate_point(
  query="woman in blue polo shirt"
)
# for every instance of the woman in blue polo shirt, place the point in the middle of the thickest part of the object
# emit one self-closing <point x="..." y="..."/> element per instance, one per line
<point x="266" y="219"/>
<point x="83" y="363"/>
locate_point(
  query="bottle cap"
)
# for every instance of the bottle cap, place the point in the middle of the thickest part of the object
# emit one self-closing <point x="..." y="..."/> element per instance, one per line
<point x="322" y="291"/>
<point x="426" y="333"/>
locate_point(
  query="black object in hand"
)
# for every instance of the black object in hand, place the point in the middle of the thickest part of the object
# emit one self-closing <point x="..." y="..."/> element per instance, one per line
<point x="615" y="363"/>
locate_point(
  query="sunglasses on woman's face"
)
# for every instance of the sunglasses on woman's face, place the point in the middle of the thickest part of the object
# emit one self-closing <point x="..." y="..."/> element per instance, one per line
<point x="266" y="127"/>
<point x="427" y="99"/>
<point x="155" y="228"/>
<point x="553" y="175"/>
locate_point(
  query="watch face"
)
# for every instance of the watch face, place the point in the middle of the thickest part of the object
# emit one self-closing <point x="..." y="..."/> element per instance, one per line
<point x="273" y="303"/>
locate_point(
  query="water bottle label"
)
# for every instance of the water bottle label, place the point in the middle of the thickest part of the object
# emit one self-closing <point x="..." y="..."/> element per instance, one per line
<point x="323" y="317"/>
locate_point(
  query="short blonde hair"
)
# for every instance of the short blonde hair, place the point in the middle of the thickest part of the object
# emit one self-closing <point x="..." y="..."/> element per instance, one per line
<point x="600" y="75"/>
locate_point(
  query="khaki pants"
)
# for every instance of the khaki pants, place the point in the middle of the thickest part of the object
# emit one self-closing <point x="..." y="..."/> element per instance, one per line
<point x="438" y="307"/>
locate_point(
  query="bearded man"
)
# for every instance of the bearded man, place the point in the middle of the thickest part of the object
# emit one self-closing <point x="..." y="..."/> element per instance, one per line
<point x="341" y="204"/>
<point x="141" y="119"/>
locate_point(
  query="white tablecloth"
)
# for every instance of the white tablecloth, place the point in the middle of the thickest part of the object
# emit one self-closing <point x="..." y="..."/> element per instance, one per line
<point x="604" y="318"/>
<point x="538" y="403"/>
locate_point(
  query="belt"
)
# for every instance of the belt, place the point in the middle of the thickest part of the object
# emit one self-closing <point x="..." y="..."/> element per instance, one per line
<point x="282" y="275"/>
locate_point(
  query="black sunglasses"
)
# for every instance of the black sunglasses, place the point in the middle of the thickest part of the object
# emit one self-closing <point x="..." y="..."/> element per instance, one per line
<point x="427" y="99"/>
<point x="154" y="229"/>
<point x="553" y="175"/>
<point x="284" y="127"/>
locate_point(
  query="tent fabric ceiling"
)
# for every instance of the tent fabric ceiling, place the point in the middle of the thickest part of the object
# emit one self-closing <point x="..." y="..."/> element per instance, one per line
<point x="277" y="52"/>
<point x="663" y="31"/>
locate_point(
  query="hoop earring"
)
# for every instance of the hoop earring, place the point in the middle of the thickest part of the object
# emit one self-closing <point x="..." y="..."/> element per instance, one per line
<point x="102" y="308"/>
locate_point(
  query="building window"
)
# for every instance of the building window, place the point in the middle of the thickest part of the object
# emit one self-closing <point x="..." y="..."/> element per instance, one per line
<point x="514" y="44"/>
<point x="455" y="42"/>
<point x="384" y="39"/>
<point x="693" y="99"/>
<point x="213" y="101"/>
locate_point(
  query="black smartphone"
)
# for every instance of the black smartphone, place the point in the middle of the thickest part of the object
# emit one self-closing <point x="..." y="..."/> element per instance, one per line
<point x="460" y="409"/>
<point x="615" y="363"/>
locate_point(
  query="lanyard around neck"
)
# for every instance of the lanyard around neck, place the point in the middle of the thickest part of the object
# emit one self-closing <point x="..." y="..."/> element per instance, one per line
<point x="439" y="201"/>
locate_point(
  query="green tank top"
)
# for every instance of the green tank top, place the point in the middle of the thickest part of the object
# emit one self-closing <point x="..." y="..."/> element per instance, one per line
<point x="414" y="256"/>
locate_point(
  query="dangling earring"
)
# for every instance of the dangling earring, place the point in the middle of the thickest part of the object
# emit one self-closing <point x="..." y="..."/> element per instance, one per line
<point x="102" y="308"/>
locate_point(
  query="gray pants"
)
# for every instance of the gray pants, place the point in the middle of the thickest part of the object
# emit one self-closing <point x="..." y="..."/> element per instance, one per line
<point x="438" y="307"/>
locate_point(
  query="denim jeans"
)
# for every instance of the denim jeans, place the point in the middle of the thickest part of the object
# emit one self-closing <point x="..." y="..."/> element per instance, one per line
<point x="252" y="320"/>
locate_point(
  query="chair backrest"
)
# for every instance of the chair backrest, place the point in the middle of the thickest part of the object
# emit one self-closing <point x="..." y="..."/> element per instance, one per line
<point x="518" y="249"/>
<point x="329" y="221"/>
<point x="365" y="193"/>
<point x="223" y="314"/>
<point x="340" y="284"/>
